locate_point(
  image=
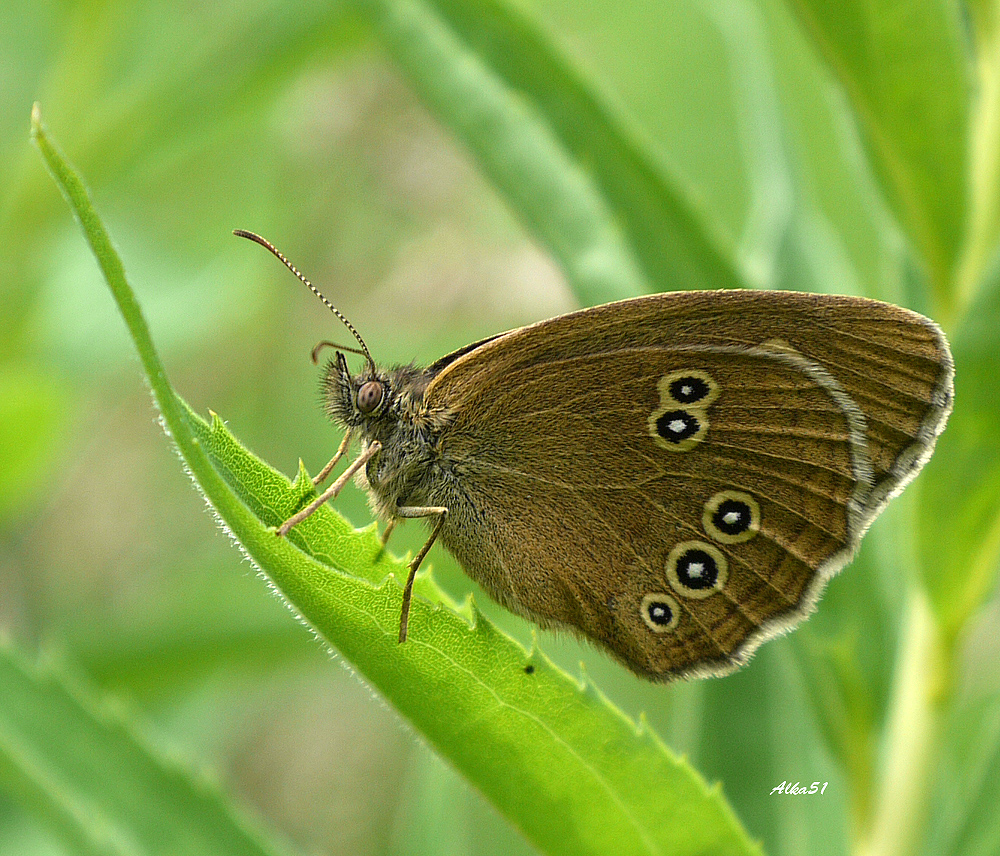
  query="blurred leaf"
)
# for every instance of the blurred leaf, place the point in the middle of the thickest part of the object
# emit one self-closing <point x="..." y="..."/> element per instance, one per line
<point x="155" y="93"/>
<point x="821" y="826"/>
<point x="960" y="491"/>
<point x="81" y="767"/>
<point x="965" y="821"/>
<point x="984" y="155"/>
<point x="508" y="721"/>
<point x="547" y="140"/>
<point x="33" y="415"/>
<point x="903" y="66"/>
<point x="228" y="627"/>
<point x="842" y="705"/>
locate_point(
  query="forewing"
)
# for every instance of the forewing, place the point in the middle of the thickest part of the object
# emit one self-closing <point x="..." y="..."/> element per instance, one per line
<point x="609" y="496"/>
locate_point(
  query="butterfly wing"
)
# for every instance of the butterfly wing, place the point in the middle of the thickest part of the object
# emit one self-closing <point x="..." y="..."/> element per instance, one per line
<point x="677" y="476"/>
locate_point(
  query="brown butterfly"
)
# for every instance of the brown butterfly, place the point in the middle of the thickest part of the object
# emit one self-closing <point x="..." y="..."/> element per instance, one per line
<point x="674" y="477"/>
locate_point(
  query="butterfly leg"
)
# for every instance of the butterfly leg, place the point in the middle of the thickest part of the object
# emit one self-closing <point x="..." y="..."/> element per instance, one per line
<point x="385" y="537"/>
<point x="411" y="512"/>
<point x="332" y="491"/>
<point x="388" y="531"/>
<point x="341" y="450"/>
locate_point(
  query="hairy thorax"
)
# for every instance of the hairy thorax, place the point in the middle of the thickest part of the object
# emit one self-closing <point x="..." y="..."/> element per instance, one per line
<point x="409" y="467"/>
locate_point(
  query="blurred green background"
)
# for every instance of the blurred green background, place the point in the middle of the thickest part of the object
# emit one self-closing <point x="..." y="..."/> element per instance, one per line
<point x="288" y="119"/>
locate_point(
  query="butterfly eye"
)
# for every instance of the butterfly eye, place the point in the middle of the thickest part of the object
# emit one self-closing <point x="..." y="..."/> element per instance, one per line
<point x="370" y="396"/>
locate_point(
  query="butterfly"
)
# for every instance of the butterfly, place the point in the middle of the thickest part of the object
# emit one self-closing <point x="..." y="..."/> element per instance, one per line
<point x="673" y="477"/>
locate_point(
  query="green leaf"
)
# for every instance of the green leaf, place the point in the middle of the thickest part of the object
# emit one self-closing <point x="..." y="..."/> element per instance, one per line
<point x="81" y="766"/>
<point x="578" y="178"/>
<point x="903" y="67"/>
<point x="552" y="754"/>
<point x="467" y="689"/>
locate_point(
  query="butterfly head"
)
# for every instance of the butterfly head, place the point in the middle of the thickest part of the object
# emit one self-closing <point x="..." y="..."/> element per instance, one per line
<point x="373" y="402"/>
<point x="355" y="401"/>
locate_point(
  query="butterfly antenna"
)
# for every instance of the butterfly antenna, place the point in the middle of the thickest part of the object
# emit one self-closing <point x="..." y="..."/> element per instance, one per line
<point x="253" y="236"/>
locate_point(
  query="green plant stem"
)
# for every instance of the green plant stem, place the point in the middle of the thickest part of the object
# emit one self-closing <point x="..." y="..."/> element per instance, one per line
<point x="984" y="165"/>
<point x="910" y="752"/>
